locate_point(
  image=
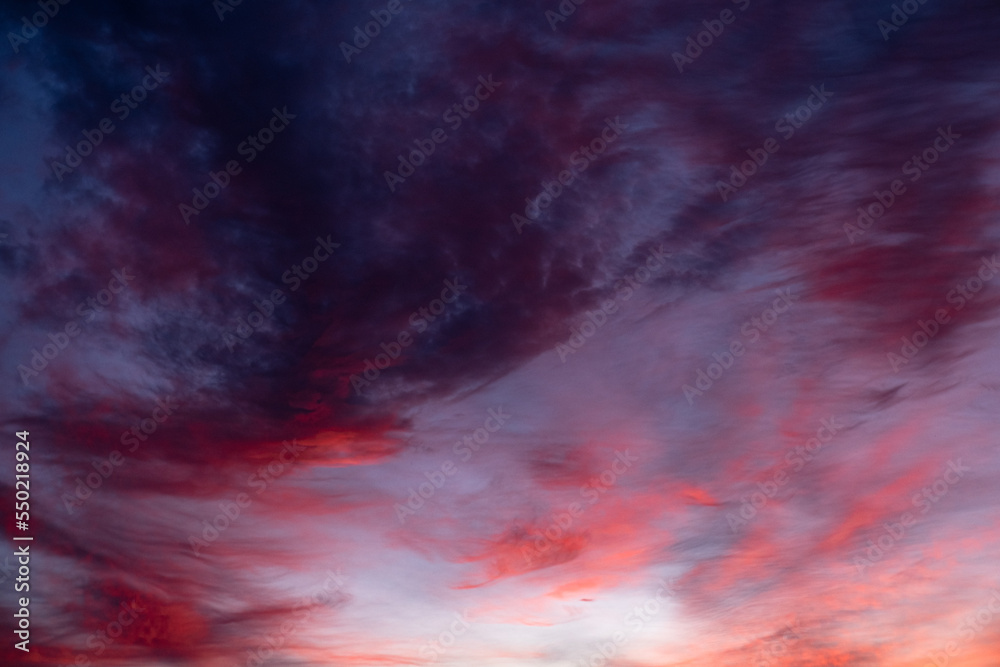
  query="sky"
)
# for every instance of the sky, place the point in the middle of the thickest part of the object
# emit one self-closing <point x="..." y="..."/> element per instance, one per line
<point x="537" y="334"/>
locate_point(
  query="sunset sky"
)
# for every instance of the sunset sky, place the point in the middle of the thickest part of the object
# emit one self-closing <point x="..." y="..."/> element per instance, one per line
<point x="502" y="334"/>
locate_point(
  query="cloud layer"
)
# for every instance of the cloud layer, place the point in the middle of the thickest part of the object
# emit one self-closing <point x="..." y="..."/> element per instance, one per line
<point x="664" y="334"/>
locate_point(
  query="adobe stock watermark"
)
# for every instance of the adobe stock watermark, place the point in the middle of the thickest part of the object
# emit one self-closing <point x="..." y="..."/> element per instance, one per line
<point x="706" y="378"/>
<point x="579" y="335"/>
<point x="565" y="10"/>
<point x="798" y="457"/>
<point x="453" y="115"/>
<point x="914" y="168"/>
<point x="30" y="28"/>
<point x="363" y="38"/>
<point x="300" y="613"/>
<point x="635" y="621"/>
<point x="99" y="641"/>
<point x="465" y="449"/>
<point x="592" y="491"/>
<point x="924" y="499"/>
<point x="579" y="161"/>
<point x="971" y="625"/>
<point x="141" y="430"/>
<point x="899" y="17"/>
<point x="696" y="44"/>
<point x="420" y="320"/>
<point x="787" y="126"/>
<point x="231" y="510"/>
<point x="223" y="7"/>
<point x="294" y="276"/>
<point x="249" y="148"/>
<point x="87" y="310"/>
<point x="122" y="106"/>
<point x="776" y="651"/>
<point x="435" y="648"/>
<point x="962" y="293"/>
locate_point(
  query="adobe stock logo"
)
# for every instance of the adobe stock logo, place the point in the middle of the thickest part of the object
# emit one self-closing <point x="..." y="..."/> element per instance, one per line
<point x="250" y="147"/>
<point x="140" y="432"/>
<point x="963" y="293"/>
<point x="799" y="456"/>
<point x="566" y="9"/>
<point x="635" y="621"/>
<point x="88" y="310"/>
<point x="122" y="106"/>
<point x="453" y="116"/>
<point x="893" y="532"/>
<point x="752" y="328"/>
<point x="596" y="319"/>
<point x="264" y="308"/>
<point x="221" y="7"/>
<point x="437" y="647"/>
<point x="39" y="20"/>
<point x="787" y="126"/>
<point x="465" y="448"/>
<point x="592" y="491"/>
<point x="301" y="612"/>
<point x="899" y="17"/>
<point x="420" y="320"/>
<point x="362" y="39"/>
<point x="696" y="44"/>
<point x="915" y="168"/>
<point x="777" y="648"/>
<point x="972" y="625"/>
<point x="232" y="509"/>
<point x="100" y="640"/>
<point x="581" y="158"/>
